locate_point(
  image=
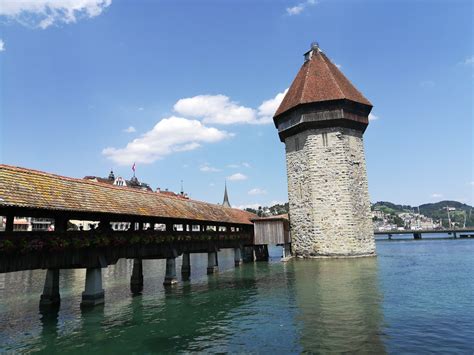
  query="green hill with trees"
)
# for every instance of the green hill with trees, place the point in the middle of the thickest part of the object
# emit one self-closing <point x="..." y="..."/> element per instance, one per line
<point x="459" y="213"/>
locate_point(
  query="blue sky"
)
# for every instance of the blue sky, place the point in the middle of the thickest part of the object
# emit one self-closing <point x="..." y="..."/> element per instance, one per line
<point x="194" y="84"/>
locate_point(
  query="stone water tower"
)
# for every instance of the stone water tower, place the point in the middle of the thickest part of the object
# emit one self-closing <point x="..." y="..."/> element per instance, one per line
<point x="322" y="120"/>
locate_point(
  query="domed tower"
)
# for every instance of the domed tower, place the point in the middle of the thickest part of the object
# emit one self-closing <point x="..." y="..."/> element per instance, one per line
<point x="322" y="120"/>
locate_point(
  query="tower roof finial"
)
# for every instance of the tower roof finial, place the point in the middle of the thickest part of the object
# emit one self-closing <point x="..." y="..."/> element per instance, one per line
<point x="313" y="48"/>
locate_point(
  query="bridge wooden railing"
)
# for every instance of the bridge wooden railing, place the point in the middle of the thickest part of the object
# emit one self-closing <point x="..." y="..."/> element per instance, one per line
<point x="34" y="241"/>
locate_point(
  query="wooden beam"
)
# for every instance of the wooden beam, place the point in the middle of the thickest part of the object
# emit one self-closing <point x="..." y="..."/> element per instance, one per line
<point x="10" y="222"/>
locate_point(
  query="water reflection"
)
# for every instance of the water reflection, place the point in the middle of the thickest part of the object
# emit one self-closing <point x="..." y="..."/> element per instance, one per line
<point x="339" y="305"/>
<point x="315" y="306"/>
<point x="49" y="317"/>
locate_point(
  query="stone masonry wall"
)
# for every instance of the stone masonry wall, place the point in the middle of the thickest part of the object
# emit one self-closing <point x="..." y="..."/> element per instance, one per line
<point x="328" y="194"/>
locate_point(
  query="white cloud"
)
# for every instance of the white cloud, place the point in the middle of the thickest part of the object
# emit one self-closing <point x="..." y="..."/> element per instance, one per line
<point x="472" y="183"/>
<point x="257" y="191"/>
<point x="268" y="108"/>
<point x="236" y="166"/>
<point x="141" y="109"/>
<point x="206" y="168"/>
<point x="339" y="66"/>
<point x="299" y="8"/>
<point x="176" y="134"/>
<point x="436" y="195"/>
<point x="295" y="10"/>
<point x="130" y="129"/>
<point x="373" y="117"/>
<point x="44" y="13"/>
<point x="173" y="134"/>
<point x="2" y="45"/>
<point x="469" y="61"/>
<point x="214" y="109"/>
<point x="220" y="109"/>
<point x="237" y="177"/>
<point x="427" y="84"/>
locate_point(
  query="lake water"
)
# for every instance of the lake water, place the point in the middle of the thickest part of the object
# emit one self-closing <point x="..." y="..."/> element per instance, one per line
<point x="415" y="297"/>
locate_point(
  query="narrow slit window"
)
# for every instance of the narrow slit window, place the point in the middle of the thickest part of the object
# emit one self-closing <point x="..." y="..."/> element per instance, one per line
<point x="325" y="139"/>
<point x="297" y="143"/>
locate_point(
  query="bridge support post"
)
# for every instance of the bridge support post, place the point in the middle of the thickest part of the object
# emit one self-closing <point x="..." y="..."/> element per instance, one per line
<point x="170" y="277"/>
<point x="237" y="257"/>
<point x="249" y="254"/>
<point x="417" y="235"/>
<point x="212" y="263"/>
<point x="93" y="293"/>
<point x="186" y="266"/>
<point x="50" y="296"/>
<point x="286" y="251"/>
<point x="261" y="252"/>
<point x="10" y="223"/>
<point x="136" y="281"/>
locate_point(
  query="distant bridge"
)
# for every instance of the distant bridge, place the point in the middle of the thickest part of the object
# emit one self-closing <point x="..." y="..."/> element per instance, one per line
<point x="417" y="233"/>
<point x="161" y="227"/>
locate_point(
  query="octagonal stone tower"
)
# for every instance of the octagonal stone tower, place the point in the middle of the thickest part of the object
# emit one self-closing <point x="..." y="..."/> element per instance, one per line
<point x="321" y="120"/>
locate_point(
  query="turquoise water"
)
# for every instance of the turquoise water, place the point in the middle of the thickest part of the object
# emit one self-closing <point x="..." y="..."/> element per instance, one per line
<point x="415" y="297"/>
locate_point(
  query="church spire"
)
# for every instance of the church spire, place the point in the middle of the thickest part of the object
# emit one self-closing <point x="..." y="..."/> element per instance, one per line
<point x="226" y="202"/>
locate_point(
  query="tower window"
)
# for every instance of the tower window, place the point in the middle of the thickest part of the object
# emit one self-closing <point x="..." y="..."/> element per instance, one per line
<point x="297" y="143"/>
<point x="325" y="139"/>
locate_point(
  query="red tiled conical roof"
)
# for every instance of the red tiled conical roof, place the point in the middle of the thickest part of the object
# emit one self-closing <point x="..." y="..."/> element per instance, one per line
<point x="319" y="80"/>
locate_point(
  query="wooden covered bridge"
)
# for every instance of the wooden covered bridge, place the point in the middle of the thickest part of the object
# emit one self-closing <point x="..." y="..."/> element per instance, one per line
<point x="161" y="227"/>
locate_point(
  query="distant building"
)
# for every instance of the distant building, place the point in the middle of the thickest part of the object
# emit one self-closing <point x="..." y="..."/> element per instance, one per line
<point x="119" y="181"/>
<point x="22" y="224"/>
<point x="42" y="224"/>
<point x="28" y="224"/>
<point x="133" y="183"/>
<point x="379" y="214"/>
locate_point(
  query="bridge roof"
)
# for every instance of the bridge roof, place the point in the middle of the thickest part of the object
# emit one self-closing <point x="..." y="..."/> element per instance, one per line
<point x="319" y="80"/>
<point x="31" y="189"/>
<point x="279" y="217"/>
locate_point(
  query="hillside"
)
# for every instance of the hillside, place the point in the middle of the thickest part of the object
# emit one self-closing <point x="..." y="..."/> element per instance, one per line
<point x="432" y="210"/>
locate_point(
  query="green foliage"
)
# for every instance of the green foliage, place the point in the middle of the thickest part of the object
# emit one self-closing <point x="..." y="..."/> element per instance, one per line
<point x="389" y="208"/>
<point x="273" y="210"/>
<point x="66" y="241"/>
<point x="436" y="211"/>
<point x="279" y="209"/>
<point x="395" y="219"/>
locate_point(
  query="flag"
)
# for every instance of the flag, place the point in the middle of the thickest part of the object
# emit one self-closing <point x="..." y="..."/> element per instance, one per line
<point x="133" y="167"/>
